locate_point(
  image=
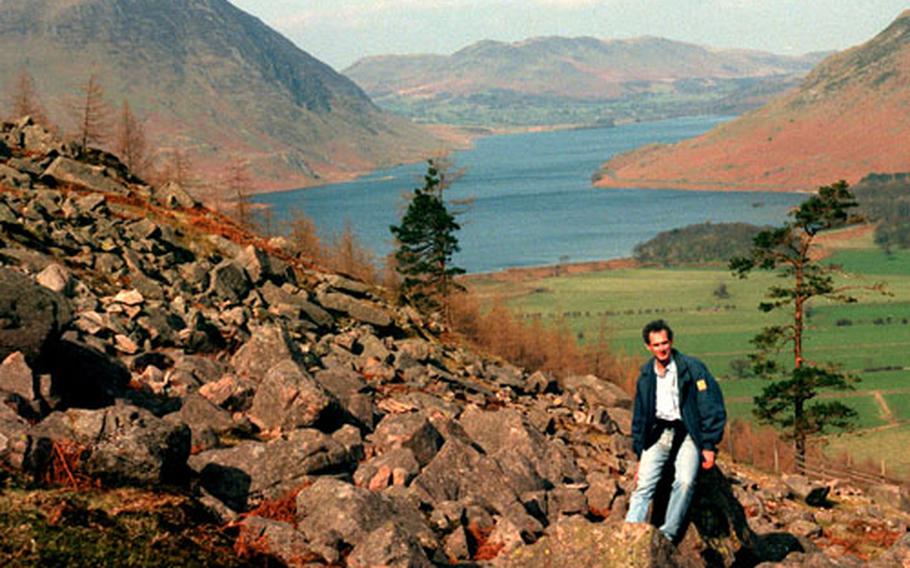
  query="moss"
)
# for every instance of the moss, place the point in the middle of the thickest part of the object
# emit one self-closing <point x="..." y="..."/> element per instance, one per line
<point x="60" y="527"/>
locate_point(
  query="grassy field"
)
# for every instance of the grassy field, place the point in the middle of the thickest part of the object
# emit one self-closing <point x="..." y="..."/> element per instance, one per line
<point x="714" y="315"/>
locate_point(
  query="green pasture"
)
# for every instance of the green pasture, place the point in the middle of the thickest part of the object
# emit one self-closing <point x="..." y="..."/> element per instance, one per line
<point x="869" y="338"/>
<point x="874" y="446"/>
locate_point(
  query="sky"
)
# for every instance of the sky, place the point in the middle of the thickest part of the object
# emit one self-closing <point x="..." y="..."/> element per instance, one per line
<point x="339" y="32"/>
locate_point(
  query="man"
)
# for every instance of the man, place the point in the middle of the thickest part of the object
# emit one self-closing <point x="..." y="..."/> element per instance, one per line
<point x="679" y="414"/>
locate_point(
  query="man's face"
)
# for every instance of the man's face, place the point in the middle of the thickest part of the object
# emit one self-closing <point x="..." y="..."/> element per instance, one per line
<point x="660" y="345"/>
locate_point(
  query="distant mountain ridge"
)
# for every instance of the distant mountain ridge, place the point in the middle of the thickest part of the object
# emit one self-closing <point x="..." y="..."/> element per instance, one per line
<point x="847" y="119"/>
<point x="577" y="70"/>
<point x="210" y="78"/>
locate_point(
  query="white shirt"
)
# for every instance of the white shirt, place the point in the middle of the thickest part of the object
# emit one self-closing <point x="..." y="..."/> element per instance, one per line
<point x="667" y="393"/>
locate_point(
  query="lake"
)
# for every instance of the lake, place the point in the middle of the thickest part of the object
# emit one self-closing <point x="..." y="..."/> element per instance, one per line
<point x="533" y="200"/>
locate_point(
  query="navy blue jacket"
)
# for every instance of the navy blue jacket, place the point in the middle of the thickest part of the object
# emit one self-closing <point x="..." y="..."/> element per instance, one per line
<point x="701" y="405"/>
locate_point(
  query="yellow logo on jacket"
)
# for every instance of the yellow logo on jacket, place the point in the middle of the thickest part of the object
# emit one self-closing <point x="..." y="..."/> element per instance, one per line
<point x="701" y="384"/>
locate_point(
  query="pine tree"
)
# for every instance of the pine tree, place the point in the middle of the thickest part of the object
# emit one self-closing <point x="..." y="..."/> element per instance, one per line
<point x="785" y="403"/>
<point x="426" y="242"/>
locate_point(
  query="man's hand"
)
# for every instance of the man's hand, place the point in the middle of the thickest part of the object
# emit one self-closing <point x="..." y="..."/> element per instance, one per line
<point x="708" y="461"/>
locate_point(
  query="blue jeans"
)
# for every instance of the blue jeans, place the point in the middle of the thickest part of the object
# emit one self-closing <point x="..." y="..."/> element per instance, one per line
<point x="649" y="472"/>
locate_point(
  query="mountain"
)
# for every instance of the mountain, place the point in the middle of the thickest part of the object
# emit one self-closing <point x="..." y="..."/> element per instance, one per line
<point x="582" y="79"/>
<point x="848" y="118"/>
<point x="208" y="78"/>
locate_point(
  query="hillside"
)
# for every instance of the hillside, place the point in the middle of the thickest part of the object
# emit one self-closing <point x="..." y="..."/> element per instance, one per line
<point x="847" y="119"/>
<point x="177" y="391"/>
<point x="582" y="80"/>
<point x="210" y="79"/>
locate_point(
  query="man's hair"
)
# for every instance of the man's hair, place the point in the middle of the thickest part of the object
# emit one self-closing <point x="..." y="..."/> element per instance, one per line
<point x="655" y="326"/>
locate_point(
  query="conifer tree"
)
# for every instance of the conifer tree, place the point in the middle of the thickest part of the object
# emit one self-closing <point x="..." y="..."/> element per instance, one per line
<point x="426" y="242"/>
<point x="788" y="402"/>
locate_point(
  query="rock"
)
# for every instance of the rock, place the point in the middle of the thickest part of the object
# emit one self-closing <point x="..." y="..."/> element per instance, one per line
<point x="331" y="511"/>
<point x="288" y="398"/>
<point x="205" y="420"/>
<point x="566" y="501"/>
<point x="885" y="494"/>
<point x="410" y="430"/>
<point x="597" y="391"/>
<point x="371" y="347"/>
<point x="31" y="316"/>
<point x="229" y="282"/>
<point x="173" y="195"/>
<point x="352" y="391"/>
<point x="267" y="346"/>
<point x="16" y="377"/>
<point x="13" y="177"/>
<point x="56" y="279"/>
<point x="389" y="546"/>
<point x="125" y="445"/>
<point x="129" y="298"/>
<point x="601" y="493"/>
<point x="395" y="467"/>
<point x="66" y="171"/>
<point x="813" y="493"/>
<point x="540" y="383"/>
<point x="532" y="461"/>
<point x="230" y="392"/>
<point x="295" y="303"/>
<point x="256" y="263"/>
<point x="249" y="472"/>
<point x="14" y="440"/>
<point x="622" y="418"/>
<point x="360" y="310"/>
<point x="577" y="542"/>
<point x="453" y="475"/>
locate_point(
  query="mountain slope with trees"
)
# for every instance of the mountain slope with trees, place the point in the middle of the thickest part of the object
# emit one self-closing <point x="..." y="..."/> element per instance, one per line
<point x="846" y="120"/>
<point x="553" y="80"/>
<point x="209" y="79"/>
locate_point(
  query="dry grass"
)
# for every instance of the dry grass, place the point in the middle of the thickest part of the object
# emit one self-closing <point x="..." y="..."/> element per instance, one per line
<point x="532" y="345"/>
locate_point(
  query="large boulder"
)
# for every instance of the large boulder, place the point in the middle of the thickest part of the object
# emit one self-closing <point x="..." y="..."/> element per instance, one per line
<point x="361" y="310"/>
<point x="31" y="316"/>
<point x="123" y="445"/>
<point x="597" y="391"/>
<point x="531" y="460"/>
<point x="575" y="541"/>
<point x="67" y="171"/>
<point x="335" y="514"/>
<point x="389" y="546"/>
<point x="289" y="398"/>
<point x="267" y="346"/>
<point x="411" y="430"/>
<point x="349" y="387"/>
<point x="249" y="472"/>
<point x="230" y="282"/>
<point x="460" y="472"/>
